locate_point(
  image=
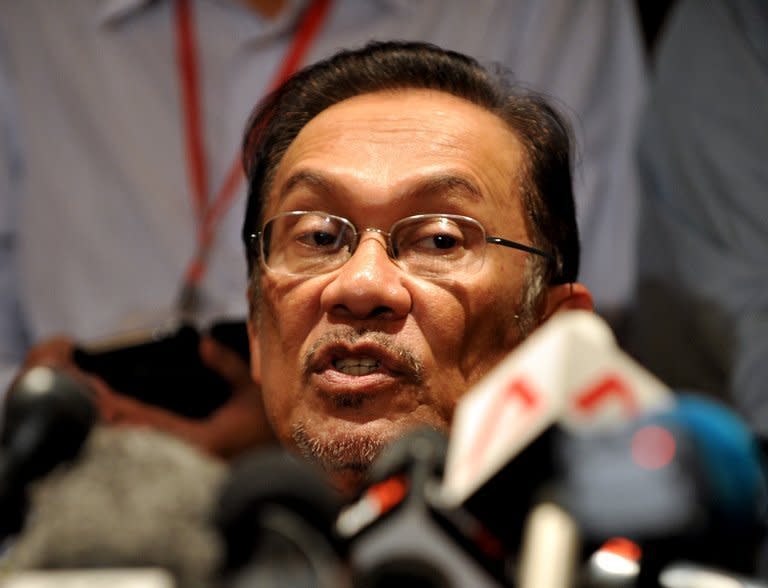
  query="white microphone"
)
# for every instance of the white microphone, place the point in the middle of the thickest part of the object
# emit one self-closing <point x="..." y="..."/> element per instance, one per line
<point x="571" y="375"/>
<point x="570" y="372"/>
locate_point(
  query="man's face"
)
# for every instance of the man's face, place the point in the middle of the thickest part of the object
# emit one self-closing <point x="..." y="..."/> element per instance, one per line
<point x="352" y="359"/>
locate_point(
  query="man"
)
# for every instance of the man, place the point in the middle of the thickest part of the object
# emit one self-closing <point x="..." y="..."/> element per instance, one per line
<point x="120" y="123"/>
<point x="410" y="221"/>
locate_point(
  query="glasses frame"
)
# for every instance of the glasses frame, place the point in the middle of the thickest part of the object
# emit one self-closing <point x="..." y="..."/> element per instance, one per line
<point x="256" y="241"/>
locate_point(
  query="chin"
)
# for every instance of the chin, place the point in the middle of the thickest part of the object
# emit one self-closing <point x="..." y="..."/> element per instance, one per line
<point x="345" y="456"/>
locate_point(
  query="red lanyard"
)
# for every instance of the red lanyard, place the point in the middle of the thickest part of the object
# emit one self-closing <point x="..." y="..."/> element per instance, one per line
<point x="209" y="212"/>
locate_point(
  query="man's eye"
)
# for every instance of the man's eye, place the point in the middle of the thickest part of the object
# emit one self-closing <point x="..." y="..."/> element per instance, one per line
<point x="441" y="241"/>
<point x="320" y="239"/>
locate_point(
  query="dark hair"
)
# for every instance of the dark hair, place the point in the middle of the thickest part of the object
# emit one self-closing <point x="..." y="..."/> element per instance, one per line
<point x="382" y="66"/>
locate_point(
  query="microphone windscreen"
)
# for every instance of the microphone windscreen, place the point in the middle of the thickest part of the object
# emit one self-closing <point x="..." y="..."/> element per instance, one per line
<point x="423" y="448"/>
<point x="685" y="483"/>
<point x="134" y="498"/>
<point x="276" y="516"/>
<point x="729" y="454"/>
<point x="47" y="415"/>
<point x="259" y="482"/>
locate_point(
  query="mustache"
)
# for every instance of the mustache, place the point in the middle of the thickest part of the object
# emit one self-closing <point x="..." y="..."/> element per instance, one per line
<point x="346" y="335"/>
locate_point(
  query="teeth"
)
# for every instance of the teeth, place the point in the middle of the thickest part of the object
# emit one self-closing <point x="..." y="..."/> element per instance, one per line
<point x="357" y="366"/>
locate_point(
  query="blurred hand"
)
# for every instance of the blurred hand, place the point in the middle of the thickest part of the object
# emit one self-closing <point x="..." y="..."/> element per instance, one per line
<point x="54" y="352"/>
<point x="235" y="427"/>
<point x="242" y="422"/>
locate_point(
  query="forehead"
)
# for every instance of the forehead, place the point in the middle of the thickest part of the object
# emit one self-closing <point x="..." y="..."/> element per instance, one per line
<point x="385" y="145"/>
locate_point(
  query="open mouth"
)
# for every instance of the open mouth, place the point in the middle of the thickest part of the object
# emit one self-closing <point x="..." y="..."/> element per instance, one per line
<point x="356" y="366"/>
<point x="361" y="358"/>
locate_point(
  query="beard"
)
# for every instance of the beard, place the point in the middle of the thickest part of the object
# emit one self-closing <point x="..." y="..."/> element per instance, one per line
<point x="346" y="459"/>
<point x="342" y="452"/>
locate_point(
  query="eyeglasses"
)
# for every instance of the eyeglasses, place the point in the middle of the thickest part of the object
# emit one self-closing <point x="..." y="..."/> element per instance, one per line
<point x="306" y="243"/>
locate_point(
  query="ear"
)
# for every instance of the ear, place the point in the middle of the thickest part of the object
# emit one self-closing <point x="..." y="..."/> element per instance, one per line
<point x="253" y="339"/>
<point x="573" y="296"/>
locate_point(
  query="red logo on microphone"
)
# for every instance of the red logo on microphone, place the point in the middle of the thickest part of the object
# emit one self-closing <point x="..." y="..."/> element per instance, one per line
<point x="518" y="396"/>
<point x="610" y="388"/>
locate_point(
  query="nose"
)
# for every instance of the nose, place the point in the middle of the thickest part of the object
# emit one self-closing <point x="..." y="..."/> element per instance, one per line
<point x="368" y="286"/>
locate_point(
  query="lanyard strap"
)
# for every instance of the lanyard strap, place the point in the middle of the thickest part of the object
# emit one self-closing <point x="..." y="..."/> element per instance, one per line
<point x="209" y="212"/>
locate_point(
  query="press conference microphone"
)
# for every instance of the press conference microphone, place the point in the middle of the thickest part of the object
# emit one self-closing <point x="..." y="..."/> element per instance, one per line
<point x="400" y="534"/>
<point x="684" y="484"/>
<point x="47" y="415"/>
<point x="276" y="517"/>
<point x="134" y="498"/>
<point x="569" y="374"/>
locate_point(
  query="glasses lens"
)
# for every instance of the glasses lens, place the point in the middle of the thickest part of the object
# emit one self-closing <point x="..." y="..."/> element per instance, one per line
<point x="306" y="242"/>
<point x="438" y="245"/>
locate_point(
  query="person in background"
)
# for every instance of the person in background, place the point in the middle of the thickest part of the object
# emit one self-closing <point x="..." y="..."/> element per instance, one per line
<point x="702" y="305"/>
<point x="122" y="194"/>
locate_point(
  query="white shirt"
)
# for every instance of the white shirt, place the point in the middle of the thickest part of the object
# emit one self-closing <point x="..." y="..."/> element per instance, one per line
<point x="95" y="199"/>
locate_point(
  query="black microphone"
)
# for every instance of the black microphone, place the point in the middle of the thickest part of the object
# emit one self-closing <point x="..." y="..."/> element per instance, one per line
<point x="47" y="416"/>
<point x="276" y="516"/>
<point x="400" y="533"/>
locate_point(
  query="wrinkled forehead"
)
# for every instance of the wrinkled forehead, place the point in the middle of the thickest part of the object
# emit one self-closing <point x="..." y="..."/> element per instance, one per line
<point x="386" y="145"/>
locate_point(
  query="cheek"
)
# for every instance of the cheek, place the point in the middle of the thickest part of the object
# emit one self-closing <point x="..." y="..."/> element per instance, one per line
<point x="497" y="306"/>
<point x="441" y="311"/>
<point x="472" y="325"/>
<point x="288" y="309"/>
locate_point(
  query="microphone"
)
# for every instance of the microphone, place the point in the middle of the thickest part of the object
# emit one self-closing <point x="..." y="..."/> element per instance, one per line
<point x="276" y="517"/>
<point x="683" y="484"/>
<point x="689" y="575"/>
<point x="570" y="386"/>
<point x="47" y="416"/>
<point x="400" y="534"/>
<point x="134" y="498"/>
<point x="568" y="375"/>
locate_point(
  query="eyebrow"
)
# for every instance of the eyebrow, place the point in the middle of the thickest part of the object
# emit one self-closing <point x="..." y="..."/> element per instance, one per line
<point x="445" y="184"/>
<point x="311" y="179"/>
<point x="456" y="186"/>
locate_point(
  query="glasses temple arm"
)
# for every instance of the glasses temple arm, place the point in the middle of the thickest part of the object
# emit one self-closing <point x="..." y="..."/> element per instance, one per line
<point x="520" y="246"/>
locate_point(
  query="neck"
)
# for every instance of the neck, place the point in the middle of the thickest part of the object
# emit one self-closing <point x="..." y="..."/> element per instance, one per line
<point x="267" y="8"/>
